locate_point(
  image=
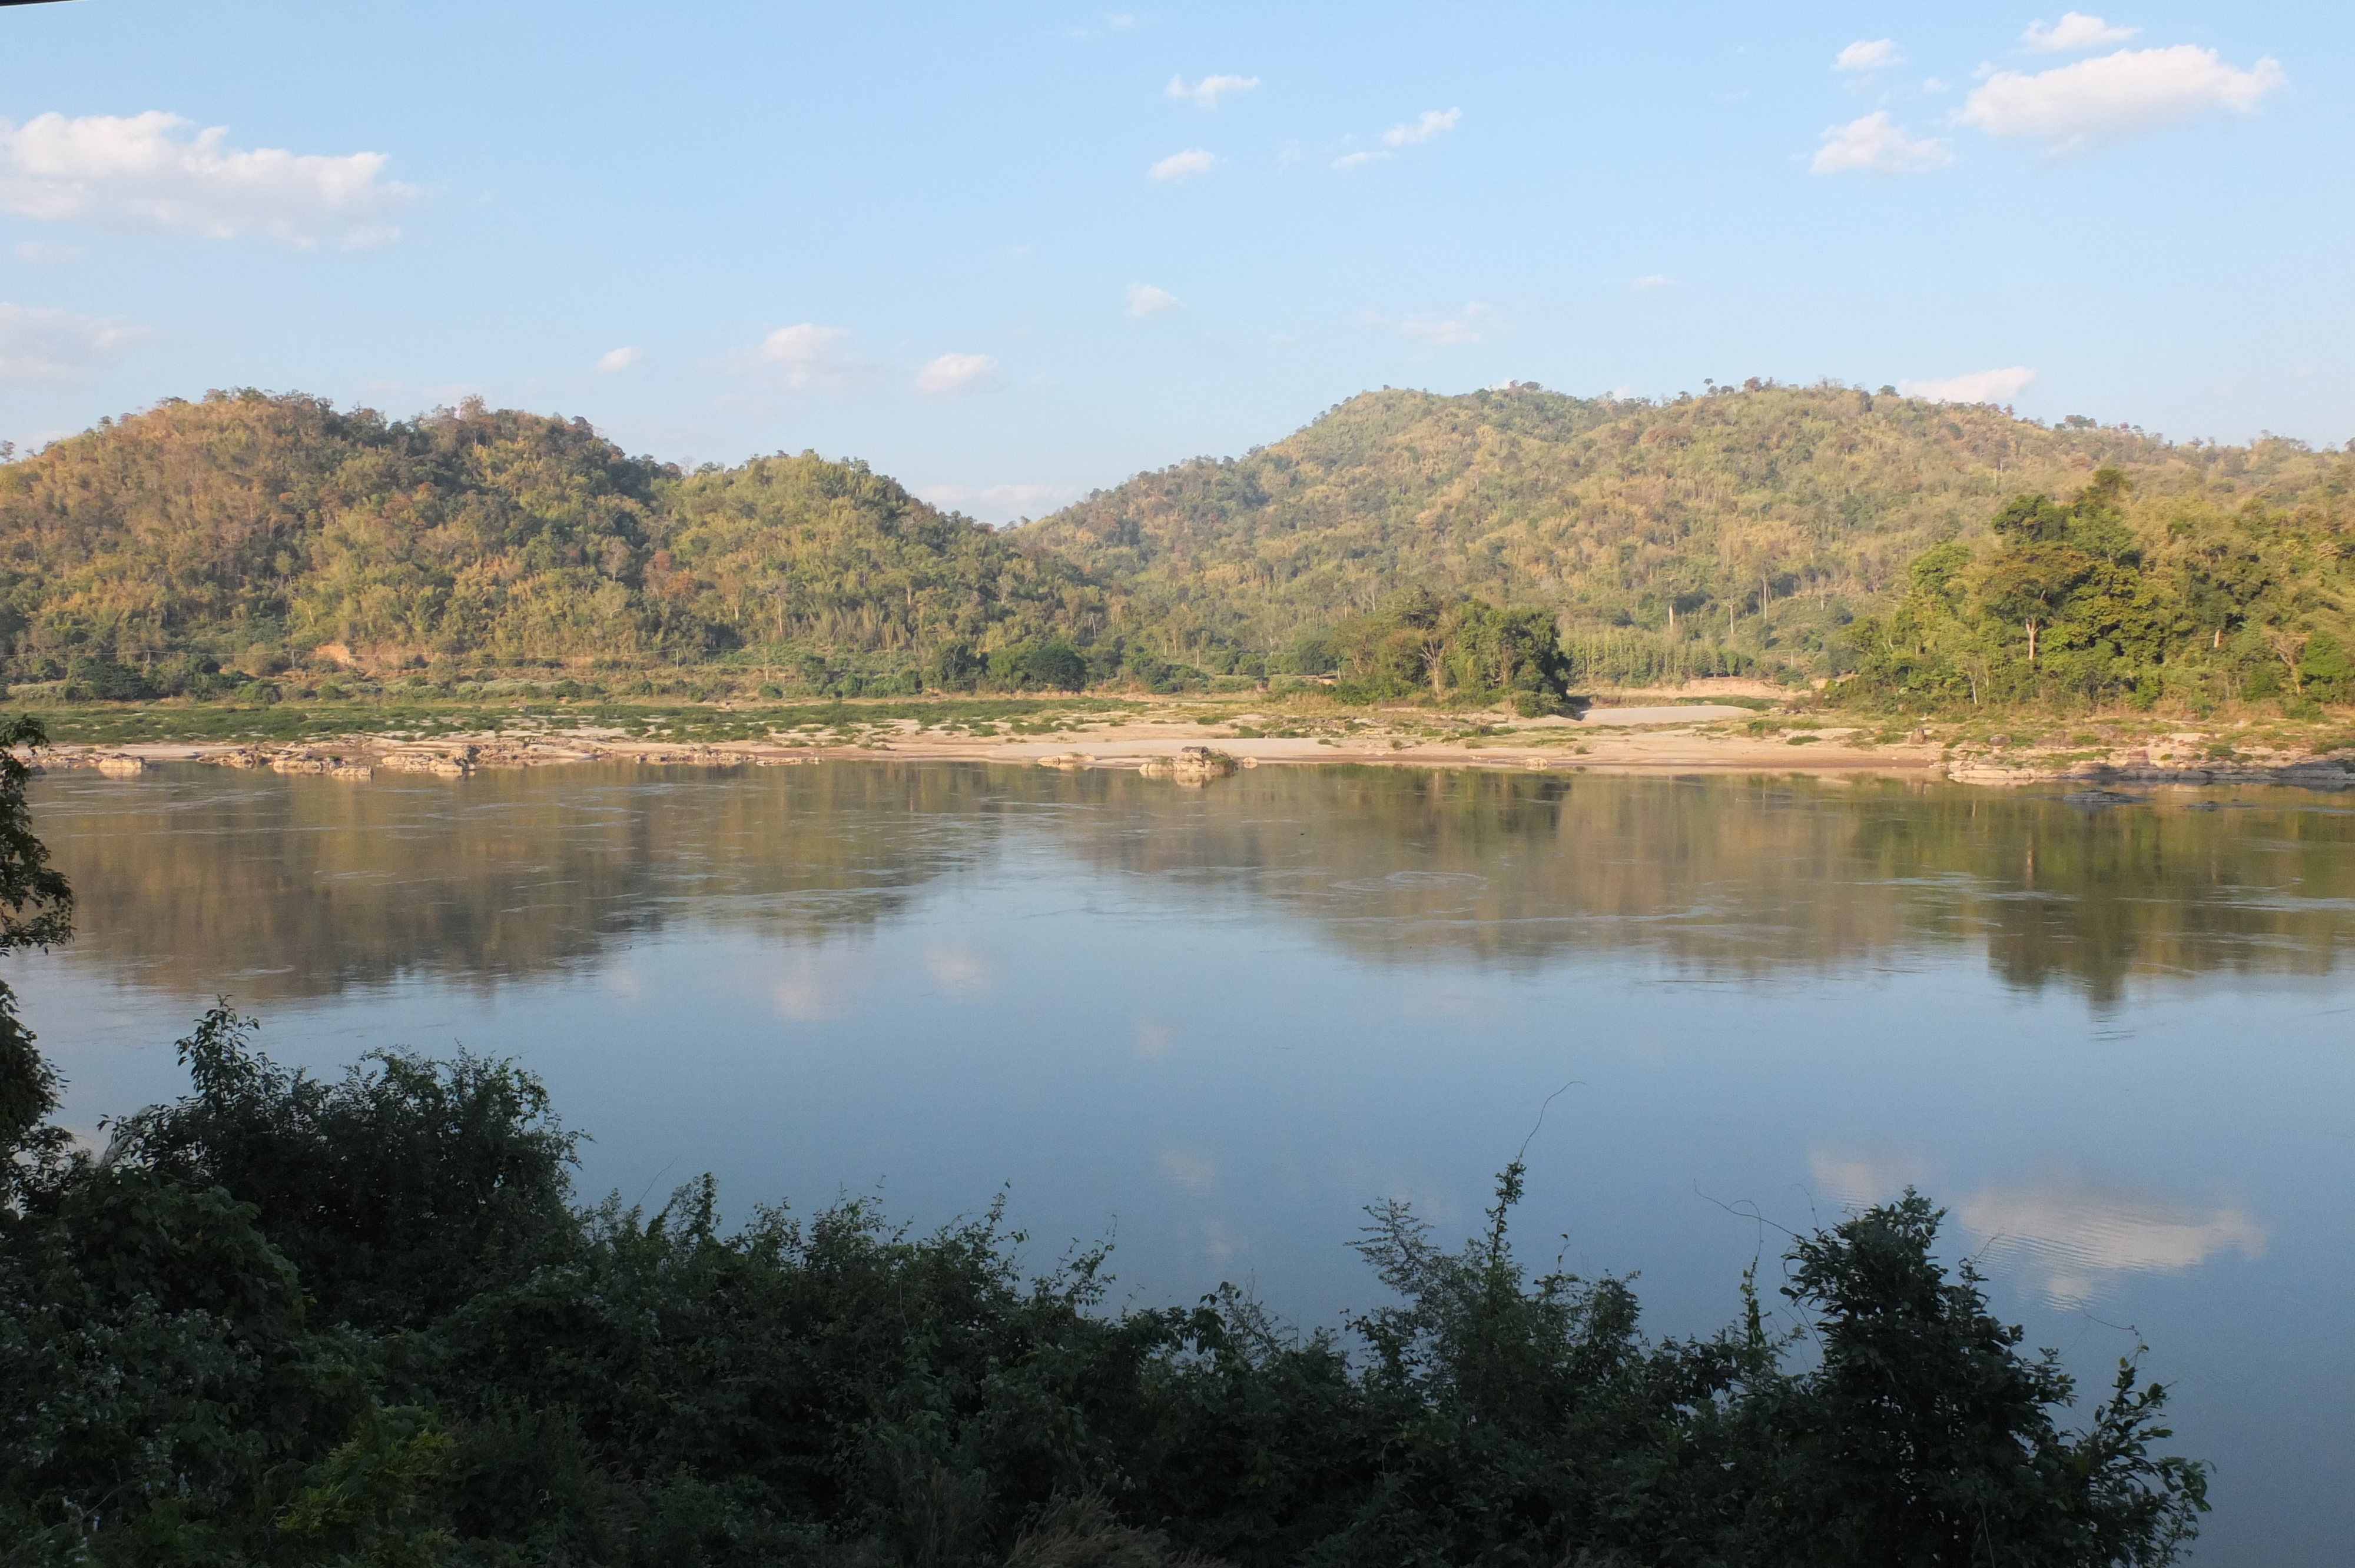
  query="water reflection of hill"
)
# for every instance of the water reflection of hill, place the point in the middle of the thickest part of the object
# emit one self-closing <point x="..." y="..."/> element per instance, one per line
<point x="1741" y="877"/>
<point x="301" y="887"/>
<point x="304" y="886"/>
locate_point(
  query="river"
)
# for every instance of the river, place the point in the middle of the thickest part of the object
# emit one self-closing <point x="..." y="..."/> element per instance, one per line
<point x="2118" y="1043"/>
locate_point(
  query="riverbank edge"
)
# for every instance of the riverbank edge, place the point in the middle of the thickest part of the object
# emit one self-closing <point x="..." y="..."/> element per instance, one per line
<point x="361" y="755"/>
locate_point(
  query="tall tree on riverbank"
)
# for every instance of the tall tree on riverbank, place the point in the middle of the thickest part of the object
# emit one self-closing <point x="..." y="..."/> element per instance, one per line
<point x="1418" y="644"/>
<point x="2089" y="602"/>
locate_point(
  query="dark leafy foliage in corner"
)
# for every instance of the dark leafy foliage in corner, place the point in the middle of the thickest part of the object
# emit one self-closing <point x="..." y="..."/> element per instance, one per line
<point x="36" y="911"/>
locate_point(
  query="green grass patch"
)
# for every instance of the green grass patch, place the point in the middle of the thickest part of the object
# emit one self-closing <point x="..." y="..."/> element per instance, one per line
<point x="125" y="723"/>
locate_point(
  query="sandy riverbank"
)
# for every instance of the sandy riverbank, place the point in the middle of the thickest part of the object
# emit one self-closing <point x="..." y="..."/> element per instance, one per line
<point x="1643" y="738"/>
<point x="1631" y="733"/>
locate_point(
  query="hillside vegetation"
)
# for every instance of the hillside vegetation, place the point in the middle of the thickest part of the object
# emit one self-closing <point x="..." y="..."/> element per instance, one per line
<point x="1700" y="535"/>
<point x="1769" y="530"/>
<point x="249" y="532"/>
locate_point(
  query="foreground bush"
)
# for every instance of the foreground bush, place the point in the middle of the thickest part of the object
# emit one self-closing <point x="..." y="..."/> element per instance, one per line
<point x="287" y="1320"/>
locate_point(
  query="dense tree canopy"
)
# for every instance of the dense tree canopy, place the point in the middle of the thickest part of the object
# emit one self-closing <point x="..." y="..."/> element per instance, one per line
<point x="2113" y="599"/>
<point x="1416" y="644"/>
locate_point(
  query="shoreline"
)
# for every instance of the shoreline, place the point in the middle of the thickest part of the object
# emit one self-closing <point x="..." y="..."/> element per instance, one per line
<point x="1622" y="740"/>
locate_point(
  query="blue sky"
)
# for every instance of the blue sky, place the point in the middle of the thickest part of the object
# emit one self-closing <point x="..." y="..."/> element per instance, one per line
<point x="1011" y="253"/>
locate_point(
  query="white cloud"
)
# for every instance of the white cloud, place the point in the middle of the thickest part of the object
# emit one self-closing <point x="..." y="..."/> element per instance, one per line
<point x="1877" y="144"/>
<point x="1870" y="54"/>
<point x="1001" y="503"/>
<point x="1465" y="326"/>
<point x="954" y="375"/>
<point x="1432" y="122"/>
<point x="813" y="358"/>
<point x="1184" y="166"/>
<point x="1652" y="281"/>
<point x="1206" y="93"/>
<point x="2075" y="30"/>
<point x="1975" y="387"/>
<point x="614" y="360"/>
<point x="1144" y="299"/>
<point x="1022" y="499"/>
<point x="2075" y="106"/>
<point x="144" y="172"/>
<point x="39" y="344"/>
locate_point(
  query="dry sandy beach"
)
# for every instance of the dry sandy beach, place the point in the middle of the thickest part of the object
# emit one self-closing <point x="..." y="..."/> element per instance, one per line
<point x="1668" y="737"/>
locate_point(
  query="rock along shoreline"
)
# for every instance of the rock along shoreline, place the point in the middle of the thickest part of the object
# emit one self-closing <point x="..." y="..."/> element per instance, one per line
<point x="1193" y="760"/>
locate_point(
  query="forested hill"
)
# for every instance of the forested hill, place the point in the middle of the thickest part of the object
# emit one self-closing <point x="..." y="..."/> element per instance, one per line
<point x="1762" y="518"/>
<point x="1752" y="528"/>
<point x="250" y="531"/>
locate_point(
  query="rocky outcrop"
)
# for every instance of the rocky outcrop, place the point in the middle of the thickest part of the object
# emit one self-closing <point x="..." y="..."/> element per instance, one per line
<point x="2334" y="772"/>
<point x="444" y="762"/>
<point x="1191" y="765"/>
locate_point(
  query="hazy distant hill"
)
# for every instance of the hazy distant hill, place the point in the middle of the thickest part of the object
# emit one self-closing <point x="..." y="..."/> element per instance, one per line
<point x="1807" y="503"/>
<point x="248" y="529"/>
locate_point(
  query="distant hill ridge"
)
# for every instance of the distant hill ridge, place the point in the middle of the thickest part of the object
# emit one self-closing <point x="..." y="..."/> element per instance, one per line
<point x="247" y="530"/>
<point x="1765" y="517"/>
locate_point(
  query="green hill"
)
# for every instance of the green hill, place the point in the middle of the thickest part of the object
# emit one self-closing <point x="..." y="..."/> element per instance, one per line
<point x="249" y="532"/>
<point x="1772" y="528"/>
<point x="1684" y="536"/>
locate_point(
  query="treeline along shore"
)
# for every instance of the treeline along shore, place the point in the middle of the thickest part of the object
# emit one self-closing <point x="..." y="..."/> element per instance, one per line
<point x="367" y="1321"/>
<point x="1510" y="547"/>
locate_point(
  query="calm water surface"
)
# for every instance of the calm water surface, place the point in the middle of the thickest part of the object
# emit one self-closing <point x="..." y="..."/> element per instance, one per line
<point x="2119" y="1044"/>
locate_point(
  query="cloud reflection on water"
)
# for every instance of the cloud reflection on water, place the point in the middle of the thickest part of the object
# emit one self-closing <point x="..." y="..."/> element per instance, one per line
<point x="2071" y="1236"/>
<point x="2074" y="1237"/>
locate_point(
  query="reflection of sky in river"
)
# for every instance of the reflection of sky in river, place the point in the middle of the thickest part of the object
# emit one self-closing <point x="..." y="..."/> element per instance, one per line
<point x="1219" y="1044"/>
